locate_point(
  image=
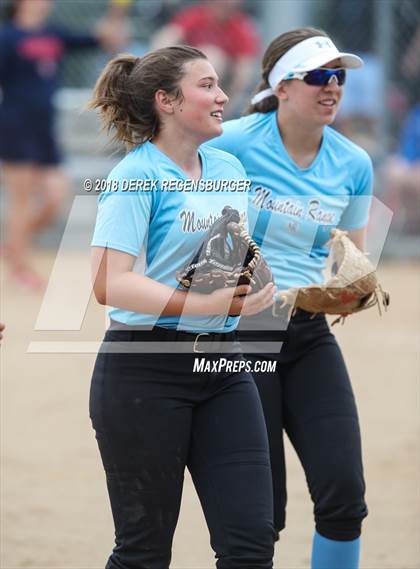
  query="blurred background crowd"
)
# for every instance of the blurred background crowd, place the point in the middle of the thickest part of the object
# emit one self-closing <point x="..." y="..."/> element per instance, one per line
<point x="380" y="109"/>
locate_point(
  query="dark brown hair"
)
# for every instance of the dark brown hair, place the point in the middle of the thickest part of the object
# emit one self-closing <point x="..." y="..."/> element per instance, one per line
<point x="277" y="48"/>
<point x="125" y="91"/>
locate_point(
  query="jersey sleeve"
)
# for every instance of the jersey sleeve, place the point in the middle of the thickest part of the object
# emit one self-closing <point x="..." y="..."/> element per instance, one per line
<point x="123" y="218"/>
<point x="356" y="214"/>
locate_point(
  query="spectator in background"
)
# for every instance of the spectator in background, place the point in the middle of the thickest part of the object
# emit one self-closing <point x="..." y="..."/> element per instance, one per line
<point x="401" y="171"/>
<point x="401" y="176"/>
<point x="120" y="15"/>
<point x="409" y="56"/>
<point x="226" y="35"/>
<point x="30" y="53"/>
<point x="359" y="109"/>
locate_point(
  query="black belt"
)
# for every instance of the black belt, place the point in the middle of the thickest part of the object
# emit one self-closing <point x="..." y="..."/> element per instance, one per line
<point x="196" y="342"/>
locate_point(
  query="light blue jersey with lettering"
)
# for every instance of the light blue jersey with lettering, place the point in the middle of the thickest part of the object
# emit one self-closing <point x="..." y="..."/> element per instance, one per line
<point x="163" y="226"/>
<point x="292" y="210"/>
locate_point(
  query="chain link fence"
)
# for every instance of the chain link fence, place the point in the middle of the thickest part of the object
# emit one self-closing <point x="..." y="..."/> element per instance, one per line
<point x="381" y="106"/>
<point x="380" y="109"/>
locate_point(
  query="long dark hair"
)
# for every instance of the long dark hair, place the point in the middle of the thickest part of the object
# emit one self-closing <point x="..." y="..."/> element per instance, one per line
<point x="125" y="91"/>
<point x="277" y="48"/>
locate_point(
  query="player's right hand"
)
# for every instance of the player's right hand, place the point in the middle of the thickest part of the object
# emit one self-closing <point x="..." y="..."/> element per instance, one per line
<point x="241" y="301"/>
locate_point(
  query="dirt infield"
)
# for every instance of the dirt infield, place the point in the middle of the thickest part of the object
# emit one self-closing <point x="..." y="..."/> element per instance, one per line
<point x="55" y="511"/>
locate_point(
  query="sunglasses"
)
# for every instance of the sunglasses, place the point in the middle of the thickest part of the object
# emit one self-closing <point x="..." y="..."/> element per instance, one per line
<point x="319" y="77"/>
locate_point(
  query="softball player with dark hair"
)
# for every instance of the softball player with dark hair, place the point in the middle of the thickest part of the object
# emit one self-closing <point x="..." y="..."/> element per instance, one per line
<point x="152" y="415"/>
<point x="306" y="179"/>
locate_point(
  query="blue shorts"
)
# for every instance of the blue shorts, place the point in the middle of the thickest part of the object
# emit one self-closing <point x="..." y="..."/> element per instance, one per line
<point x="28" y="138"/>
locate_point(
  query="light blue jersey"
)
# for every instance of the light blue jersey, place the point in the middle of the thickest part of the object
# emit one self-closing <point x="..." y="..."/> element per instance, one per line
<point x="163" y="219"/>
<point x="292" y="210"/>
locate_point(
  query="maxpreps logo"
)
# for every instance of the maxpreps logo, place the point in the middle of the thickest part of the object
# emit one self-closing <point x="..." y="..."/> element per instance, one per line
<point x="223" y="365"/>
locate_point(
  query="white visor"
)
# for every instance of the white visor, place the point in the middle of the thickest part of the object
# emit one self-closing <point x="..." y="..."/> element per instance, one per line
<point x="305" y="56"/>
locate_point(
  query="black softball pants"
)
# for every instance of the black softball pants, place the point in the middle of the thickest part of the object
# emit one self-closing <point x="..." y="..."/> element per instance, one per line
<point x="153" y="417"/>
<point x="310" y="397"/>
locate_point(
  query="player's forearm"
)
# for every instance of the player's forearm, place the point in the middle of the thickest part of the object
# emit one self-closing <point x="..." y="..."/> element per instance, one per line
<point x="137" y="293"/>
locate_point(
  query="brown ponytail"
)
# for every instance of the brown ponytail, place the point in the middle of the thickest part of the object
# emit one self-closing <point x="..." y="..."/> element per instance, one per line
<point x="277" y="48"/>
<point x="125" y="91"/>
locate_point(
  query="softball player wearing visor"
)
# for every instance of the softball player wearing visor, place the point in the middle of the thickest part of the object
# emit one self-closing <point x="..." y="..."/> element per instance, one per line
<point x="306" y="179"/>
